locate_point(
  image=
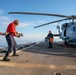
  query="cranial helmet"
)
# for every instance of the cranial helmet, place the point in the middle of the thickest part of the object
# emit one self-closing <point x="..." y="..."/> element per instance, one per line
<point x="16" y="21"/>
<point x="49" y="30"/>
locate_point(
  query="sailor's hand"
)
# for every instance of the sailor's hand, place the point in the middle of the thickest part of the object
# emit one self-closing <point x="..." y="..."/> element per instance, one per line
<point x="17" y="32"/>
<point x="19" y="35"/>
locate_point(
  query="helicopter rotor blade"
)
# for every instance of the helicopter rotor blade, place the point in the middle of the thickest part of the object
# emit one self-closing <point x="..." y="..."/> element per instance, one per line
<point x="36" y="13"/>
<point x="51" y="22"/>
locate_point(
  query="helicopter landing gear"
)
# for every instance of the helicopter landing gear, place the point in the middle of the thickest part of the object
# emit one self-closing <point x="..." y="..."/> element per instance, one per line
<point x="65" y="43"/>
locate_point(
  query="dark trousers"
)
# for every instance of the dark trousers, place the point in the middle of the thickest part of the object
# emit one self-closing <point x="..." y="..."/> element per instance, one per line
<point x="50" y="44"/>
<point x="11" y="45"/>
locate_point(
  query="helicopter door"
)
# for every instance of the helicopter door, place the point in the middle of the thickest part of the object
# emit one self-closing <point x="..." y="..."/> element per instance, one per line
<point x="65" y="32"/>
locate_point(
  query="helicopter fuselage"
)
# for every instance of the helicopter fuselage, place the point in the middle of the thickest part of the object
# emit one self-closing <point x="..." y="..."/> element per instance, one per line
<point x="68" y="33"/>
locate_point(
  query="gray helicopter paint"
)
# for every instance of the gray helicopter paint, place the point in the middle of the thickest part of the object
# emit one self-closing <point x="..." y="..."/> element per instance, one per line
<point x="69" y="33"/>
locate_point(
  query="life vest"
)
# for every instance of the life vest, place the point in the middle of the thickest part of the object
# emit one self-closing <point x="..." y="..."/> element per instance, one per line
<point x="51" y="39"/>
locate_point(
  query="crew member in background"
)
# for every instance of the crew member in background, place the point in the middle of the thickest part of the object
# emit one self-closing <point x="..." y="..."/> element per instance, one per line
<point x="50" y="37"/>
<point x="10" y="33"/>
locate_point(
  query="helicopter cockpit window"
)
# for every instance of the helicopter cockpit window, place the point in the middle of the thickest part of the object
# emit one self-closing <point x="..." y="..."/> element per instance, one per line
<point x="73" y="29"/>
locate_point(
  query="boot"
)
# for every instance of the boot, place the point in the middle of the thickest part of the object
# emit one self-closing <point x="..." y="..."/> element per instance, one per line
<point x="6" y="59"/>
<point x="15" y="55"/>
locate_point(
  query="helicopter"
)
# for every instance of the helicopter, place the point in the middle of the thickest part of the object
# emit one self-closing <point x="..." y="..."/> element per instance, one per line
<point x="68" y="33"/>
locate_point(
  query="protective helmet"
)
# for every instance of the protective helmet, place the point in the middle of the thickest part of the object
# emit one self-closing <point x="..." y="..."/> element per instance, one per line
<point x="16" y="21"/>
<point x="49" y="30"/>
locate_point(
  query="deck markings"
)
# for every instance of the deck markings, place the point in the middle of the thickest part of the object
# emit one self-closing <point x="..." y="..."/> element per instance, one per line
<point x="28" y="65"/>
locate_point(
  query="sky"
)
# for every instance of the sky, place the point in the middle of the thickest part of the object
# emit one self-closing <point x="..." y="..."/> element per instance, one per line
<point x="28" y="22"/>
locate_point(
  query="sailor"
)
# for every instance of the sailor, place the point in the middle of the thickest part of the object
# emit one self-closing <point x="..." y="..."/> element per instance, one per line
<point x="50" y="37"/>
<point x="10" y="33"/>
